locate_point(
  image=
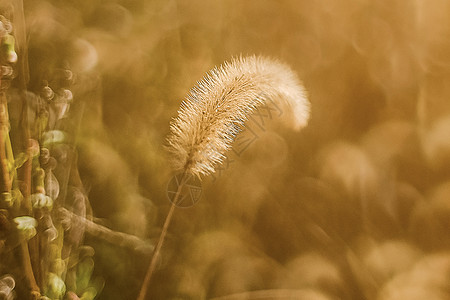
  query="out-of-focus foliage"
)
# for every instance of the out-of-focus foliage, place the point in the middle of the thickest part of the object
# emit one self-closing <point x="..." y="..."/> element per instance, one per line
<point x="355" y="206"/>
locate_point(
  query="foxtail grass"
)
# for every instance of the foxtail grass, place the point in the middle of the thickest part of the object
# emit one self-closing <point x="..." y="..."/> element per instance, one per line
<point x="215" y="111"/>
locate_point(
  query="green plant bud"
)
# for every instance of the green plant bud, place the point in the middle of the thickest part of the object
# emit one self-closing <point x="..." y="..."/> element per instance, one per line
<point x="51" y="185"/>
<point x="26" y="226"/>
<point x="8" y="281"/>
<point x="11" y="57"/>
<point x="39" y="200"/>
<point x="85" y="268"/>
<point x="55" y="287"/>
<point x="7" y="71"/>
<point x="33" y="147"/>
<point x="45" y="156"/>
<point x="51" y="234"/>
<point x="8" y="42"/>
<point x="47" y="93"/>
<point x="7" y="285"/>
<point x="67" y="95"/>
<point x="68" y="75"/>
<point x="89" y="294"/>
<point x="53" y="137"/>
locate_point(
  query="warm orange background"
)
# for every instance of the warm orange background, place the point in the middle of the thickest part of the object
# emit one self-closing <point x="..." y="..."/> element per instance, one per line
<point x="355" y="206"/>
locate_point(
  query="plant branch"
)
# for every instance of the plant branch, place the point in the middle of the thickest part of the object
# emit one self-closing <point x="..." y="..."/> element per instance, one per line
<point x="106" y="234"/>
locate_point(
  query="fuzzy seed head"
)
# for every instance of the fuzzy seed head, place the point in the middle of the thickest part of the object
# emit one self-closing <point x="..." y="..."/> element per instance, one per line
<point x="216" y="109"/>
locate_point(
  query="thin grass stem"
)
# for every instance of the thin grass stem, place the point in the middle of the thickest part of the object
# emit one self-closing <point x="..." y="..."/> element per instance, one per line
<point x="155" y="255"/>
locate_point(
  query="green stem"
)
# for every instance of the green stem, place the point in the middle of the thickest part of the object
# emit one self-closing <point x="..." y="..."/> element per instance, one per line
<point x="26" y="170"/>
<point x="26" y="261"/>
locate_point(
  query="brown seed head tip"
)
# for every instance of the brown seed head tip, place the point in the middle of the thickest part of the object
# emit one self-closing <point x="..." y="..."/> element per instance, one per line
<point x="216" y="108"/>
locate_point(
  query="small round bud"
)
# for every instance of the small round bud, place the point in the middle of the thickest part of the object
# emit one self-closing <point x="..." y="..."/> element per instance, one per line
<point x="68" y="75"/>
<point x="26" y="226"/>
<point x="11" y="57"/>
<point x="39" y="200"/>
<point x="40" y="190"/>
<point x="33" y="147"/>
<point x="9" y="281"/>
<point x="53" y="137"/>
<point x="56" y="287"/>
<point x="51" y="163"/>
<point x="51" y="233"/>
<point x="67" y="95"/>
<point x="45" y="156"/>
<point x="47" y="93"/>
<point x="8" y="26"/>
<point x="7" y="71"/>
<point x="8" y="43"/>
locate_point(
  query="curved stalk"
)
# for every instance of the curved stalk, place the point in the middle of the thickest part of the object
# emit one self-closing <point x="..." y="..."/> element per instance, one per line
<point x="154" y="259"/>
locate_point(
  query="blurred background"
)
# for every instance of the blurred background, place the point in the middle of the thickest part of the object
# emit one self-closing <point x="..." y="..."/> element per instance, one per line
<point x="354" y="206"/>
